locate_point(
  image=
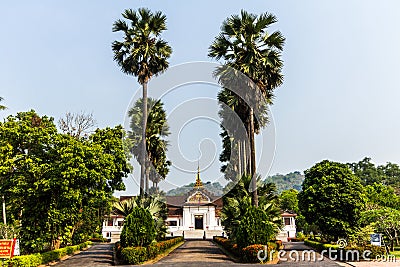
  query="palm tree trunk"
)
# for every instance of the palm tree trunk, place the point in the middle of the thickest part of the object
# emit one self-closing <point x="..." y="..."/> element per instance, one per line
<point x="254" y="199"/>
<point x="144" y="125"/>
<point x="147" y="177"/>
<point x="244" y="157"/>
<point x="239" y="158"/>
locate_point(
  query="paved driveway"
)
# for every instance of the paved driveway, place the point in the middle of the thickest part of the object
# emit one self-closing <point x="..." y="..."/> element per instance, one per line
<point x="98" y="255"/>
<point x="207" y="254"/>
<point x="201" y="253"/>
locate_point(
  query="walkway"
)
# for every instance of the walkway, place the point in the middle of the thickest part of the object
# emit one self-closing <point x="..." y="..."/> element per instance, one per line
<point x="98" y="255"/>
<point x="196" y="253"/>
<point x="206" y="254"/>
<point x="298" y="254"/>
<point x="202" y="253"/>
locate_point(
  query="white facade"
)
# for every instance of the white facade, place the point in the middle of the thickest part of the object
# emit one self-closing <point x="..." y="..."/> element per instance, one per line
<point x="289" y="227"/>
<point x="112" y="227"/>
<point x="196" y="212"/>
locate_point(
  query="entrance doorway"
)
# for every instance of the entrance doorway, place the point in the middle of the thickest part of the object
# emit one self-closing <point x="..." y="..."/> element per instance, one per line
<point x="198" y="222"/>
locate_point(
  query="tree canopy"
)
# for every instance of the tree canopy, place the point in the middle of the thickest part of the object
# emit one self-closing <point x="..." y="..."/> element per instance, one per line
<point x="58" y="188"/>
<point x="332" y="198"/>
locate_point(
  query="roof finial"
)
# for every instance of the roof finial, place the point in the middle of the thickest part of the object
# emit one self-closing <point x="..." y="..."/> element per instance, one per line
<point x="198" y="183"/>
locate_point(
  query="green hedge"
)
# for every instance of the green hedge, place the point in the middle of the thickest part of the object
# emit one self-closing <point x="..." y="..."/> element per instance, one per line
<point x="34" y="260"/>
<point x="137" y="255"/>
<point x="247" y="254"/>
<point x="320" y="246"/>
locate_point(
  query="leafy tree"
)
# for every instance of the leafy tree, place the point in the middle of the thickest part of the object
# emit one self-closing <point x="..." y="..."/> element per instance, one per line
<point x="382" y="195"/>
<point x="246" y="46"/>
<point x="142" y="53"/>
<point x="156" y="205"/>
<point x="384" y="220"/>
<point x="332" y="198"/>
<point x="58" y="188"/>
<point x="391" y="174"/>
<point x="366" y="171"/>
<point x="157" y="165"/>
<point x="288" y="200"/>
<point x="138" y="229"/>
<point x="254" y="228"/>
<point x="238" y="201"/>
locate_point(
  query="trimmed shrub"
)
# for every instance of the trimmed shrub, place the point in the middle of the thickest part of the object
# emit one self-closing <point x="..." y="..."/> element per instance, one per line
<point x="249" y="253"/>
<point x="139" y="229"/>
<point x="134" y="255"/>
<point x="254" y="228"/>
<point x="137" y="255"/>
<point x="34" y="260"/>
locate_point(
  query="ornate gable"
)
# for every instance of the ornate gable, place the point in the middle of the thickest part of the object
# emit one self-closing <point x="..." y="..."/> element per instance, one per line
<point x="198" y="197"/>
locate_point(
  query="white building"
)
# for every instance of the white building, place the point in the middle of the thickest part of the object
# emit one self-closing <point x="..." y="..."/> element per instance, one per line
<point x="289" y="226"/>
<point x="194" y="215"/>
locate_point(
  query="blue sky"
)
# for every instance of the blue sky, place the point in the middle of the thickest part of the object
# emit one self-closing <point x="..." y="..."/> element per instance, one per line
<point x="342" y="66"/>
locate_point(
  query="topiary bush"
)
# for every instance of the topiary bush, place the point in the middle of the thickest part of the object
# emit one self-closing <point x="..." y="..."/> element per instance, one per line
<point x="137" y="255"/>
<point x="139" y="229"/>
<point x="254" y="228"/>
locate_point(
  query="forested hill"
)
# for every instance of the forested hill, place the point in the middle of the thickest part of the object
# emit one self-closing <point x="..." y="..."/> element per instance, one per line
<point x="286" y="181"/>
<point x="214" y="188"/>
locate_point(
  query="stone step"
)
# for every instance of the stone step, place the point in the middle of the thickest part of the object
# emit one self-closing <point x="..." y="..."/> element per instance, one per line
<point x="194" y="234"/>
<point x="211" y="233"/>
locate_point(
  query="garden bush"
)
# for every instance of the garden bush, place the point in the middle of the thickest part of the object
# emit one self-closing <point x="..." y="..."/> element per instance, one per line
<point x="137" y="255"/>
<point x="34" y="260"/>
<point x="139" y="229"/>
<point x="254" y="228"/>
<point x="249" y="253"/>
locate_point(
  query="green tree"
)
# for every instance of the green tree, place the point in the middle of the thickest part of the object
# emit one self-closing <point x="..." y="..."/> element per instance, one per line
<point x="157" y="165"/>
<point x="156" y="205"/>
<point x="142" y="53"/>
<point x="238" y="201"/>
<point x="382" y="195"/>
<point x="367" y="171"/>
<point x="138" y="229"/>
<point x="288" y="200"/>
<point x="391" y="174"/>
<point x="254" y="228"/>
<point x="58" y="188"/>
<point x="332" y="198"/>
<point x="246" y="46"/>
<point x="385" y="220"/>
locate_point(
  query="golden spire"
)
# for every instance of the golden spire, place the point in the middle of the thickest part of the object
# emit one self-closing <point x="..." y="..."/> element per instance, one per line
<point x="198" y="183"/>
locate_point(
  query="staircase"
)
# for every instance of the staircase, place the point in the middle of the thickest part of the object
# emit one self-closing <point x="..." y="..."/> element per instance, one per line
<point x="194" y="234"/>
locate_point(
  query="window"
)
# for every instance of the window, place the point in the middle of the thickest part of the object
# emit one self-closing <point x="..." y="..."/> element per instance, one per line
<point x="172" y="223"/>
<point x="110" y="222"/>
<point x="120" y="223"/>
<point x="287" y="221"/>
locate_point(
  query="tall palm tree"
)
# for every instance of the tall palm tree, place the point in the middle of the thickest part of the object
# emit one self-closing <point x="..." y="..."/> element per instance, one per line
<point x="1" y="106"/>
<point x="246" y="46"/>
<point x="157" y="165"/>
<point x="142" y="53"/>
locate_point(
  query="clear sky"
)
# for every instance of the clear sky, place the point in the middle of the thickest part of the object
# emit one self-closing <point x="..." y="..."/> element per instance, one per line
<point x="339" y="100"/>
